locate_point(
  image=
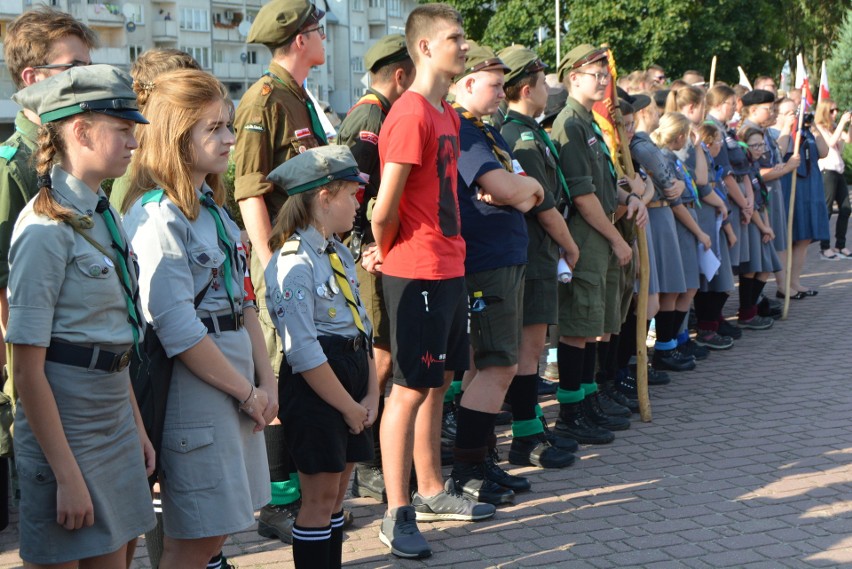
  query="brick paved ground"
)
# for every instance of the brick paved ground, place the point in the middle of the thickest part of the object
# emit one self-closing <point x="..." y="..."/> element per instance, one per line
<point x="746" y="464"/>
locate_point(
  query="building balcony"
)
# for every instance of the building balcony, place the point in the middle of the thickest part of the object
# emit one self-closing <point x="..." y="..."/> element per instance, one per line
<point x="227" y="34"/>
<point x="10" y="9"/>
<point x="165" y="30"/>
<point x="111" y="56"/>
<point x="377" y="15"/>
<point x="226" y="71"/>
<point x="228" y="3"/>
<point x="98" y="14"/>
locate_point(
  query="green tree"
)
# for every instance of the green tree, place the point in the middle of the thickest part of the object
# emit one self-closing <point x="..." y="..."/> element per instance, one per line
<point x="475" y="13"/>
<point x="518" y="22"/>
<point x="839" y="70"/>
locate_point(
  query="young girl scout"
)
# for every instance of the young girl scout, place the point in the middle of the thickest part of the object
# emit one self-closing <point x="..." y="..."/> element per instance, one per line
<point x="81" y="450"/>
<point x="328" y="387"/>
<point x="192" y="273"/>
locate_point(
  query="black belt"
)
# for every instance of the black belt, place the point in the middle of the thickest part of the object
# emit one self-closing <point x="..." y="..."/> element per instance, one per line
<point x="227" y="323"/>
<point x="81" y="356"/>
<point x="341" y="343"/>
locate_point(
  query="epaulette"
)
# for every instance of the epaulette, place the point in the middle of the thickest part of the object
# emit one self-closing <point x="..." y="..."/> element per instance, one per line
<point x="153" y="196"/>
<point x="291" y="246"/>
<point x="8" y="152"/>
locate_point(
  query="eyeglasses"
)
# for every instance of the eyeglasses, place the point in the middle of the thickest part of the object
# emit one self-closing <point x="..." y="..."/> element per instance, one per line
<point x="834" y="110"/>
<point x="320" y="29"/>
<point x="660" y="78"/>
<point x="75" y="63"/>
<point x="757" y="145"/>
<point x="599" y="77"/>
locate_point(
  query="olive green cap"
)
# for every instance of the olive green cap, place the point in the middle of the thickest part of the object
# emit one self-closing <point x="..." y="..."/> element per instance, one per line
<point x="316" y="167"/>
<point x="522" y="62"/>
<point x="96" y="88"/>
<point x="578" y="57"/>
<point x="387" y="50"/>
<point x="480" y="58"/>
<point x="280" y="20"/>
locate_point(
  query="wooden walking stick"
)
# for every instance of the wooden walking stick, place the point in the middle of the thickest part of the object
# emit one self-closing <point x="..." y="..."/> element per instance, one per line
<point x="712" y="73"/>
<point x="790" y="209"/>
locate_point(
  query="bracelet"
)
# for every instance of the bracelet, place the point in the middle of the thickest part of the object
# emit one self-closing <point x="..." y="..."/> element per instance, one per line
<point x="630" y="195"/>
<point x="246" y="400"/>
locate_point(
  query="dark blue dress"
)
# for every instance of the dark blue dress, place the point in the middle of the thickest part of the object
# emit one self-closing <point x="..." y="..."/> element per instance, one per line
<point x="810" y="217"/>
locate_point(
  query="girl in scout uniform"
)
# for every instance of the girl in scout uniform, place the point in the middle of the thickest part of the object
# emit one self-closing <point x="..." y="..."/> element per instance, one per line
<point x="81" y="449"/>
<point x="192" y="274"/>
<point x="327" y="384"/>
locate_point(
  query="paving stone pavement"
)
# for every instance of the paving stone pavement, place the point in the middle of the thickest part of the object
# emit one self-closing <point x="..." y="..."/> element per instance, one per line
<point x="745" y="464"/>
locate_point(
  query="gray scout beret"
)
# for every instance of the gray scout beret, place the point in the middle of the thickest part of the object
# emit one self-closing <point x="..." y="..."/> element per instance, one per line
<point x="387" y="50"/>
<point x="97" y="88"/>
<point x="280" y="20"/>
<point x="316" y="167"/>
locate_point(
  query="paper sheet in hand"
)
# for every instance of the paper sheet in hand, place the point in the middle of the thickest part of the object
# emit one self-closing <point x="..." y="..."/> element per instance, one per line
<point x="708" y="262"/>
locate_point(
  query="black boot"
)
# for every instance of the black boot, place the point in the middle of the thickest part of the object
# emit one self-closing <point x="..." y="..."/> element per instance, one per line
<point x="535" y="450"/>
<point x="448" y="423"/>
<point x="369" y="481"/>
<point x="572" y="423"/>
<point x="470" y="478"/>
<point x="499" y="476"/>
<point x="560" y="442"/>
<point x="672" y="360"/>
<point x="596" y="415"/>
<point x="610" y="400"/>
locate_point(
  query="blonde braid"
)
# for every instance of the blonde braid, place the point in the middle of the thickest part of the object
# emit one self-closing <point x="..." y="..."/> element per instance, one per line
<point x="50" y="145"/>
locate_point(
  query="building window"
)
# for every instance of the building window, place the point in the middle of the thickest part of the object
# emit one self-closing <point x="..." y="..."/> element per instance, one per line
<point x="357" y="92"/>
<point x="135" y="13"/>
<point x="135" y="51"/>
<point x="200" y="54"/>
<point x="194" y="20"/>
<point x="218" y="56"/>
<point x="358" y="33"/>
<point x="393" y="8"/>
<point x="251" y="57"/>
<point x="377" y="3"/>
<point x="357" y="64"/>
<point x="357" y="5"/>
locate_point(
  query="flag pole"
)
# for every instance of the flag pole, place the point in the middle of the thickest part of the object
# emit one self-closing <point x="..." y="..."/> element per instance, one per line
<point x="790" y="209"/>
<point x="712" y="73"/>
<point x="558" y="36"/>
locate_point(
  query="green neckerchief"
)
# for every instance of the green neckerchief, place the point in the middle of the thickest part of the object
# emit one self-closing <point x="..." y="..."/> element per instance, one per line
<point x="227" y="245"/>
<point x="316" y="125"/>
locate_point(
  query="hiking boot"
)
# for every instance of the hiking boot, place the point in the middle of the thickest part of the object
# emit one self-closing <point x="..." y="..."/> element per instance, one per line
<point x="560" y="442"/>
<point x="448" y="423"/>
<point x="756" y="323"/>
<point x="499" y="476"/>
<point x="595" y="414"/>
<point x="713" y="341"/>
<point x="612" y="393"/>
<point x="451" y="504"/>
<point x="276" y="522"/>
<point x="729" y="330"/>
<point x="672" y="360"/>
<point x="470" y="477"/>
<point x="369" y="481"/>
<point x="546" y="387"/>
<point x="535" y="450"/>
<point x="691" y="348"/>
<point x="399" y="532"/>
<point x="625" y="383"/>
<point x="608" y="403"/>
<point x="572" y="423"/>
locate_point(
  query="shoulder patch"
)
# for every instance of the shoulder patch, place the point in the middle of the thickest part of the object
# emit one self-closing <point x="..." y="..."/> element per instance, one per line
<point x="254" y="127"/>
<point x="527" y="136"/>
<point x="265" y="90"/>
<point x="370" y="137"/>
<point x="8" y="152"/>
<point x="291" y="246"/>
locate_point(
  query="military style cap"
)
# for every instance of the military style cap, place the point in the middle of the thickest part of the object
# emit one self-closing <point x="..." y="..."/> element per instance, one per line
<point x="522" y="62"/>
<point x="757" y="97"/>
<point x="637" y="102"/>
<point x="280" y="20"/>
<point x="481" y="58"/>
<point x="579" y="56"/>
<point x="387" y="50"/>
<point x="96" y="88"/>
<point x="316" y="167"/>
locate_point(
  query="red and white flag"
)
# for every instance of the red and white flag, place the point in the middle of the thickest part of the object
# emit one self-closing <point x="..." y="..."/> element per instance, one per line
<point x="802" y="81"/>
<point x="824" y="92"/>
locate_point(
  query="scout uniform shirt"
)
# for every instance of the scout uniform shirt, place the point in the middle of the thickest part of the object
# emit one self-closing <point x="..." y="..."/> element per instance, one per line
<point x="523" y="134"/>
<point x="305" y="300"/>
<point x="17" y="183"/>
<point x="272" y="124"/>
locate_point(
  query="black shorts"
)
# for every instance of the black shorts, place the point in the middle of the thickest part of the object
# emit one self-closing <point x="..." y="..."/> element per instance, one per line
<point x="428" y="329"/>
<point x="316" y="433"/>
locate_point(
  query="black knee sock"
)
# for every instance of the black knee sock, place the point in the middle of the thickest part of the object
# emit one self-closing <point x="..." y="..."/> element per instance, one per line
<point x="589" y="362"/>
<point x="746" y="286"/>
<point x="757" y="289"/>
<point x="705" y="307"/>
<point x="473" y="431"/>
<point x="665" y="325"/>
<point x="215" y="562"/>
<point x="679" y="320"/>
<point x="377" y="448"/>
<point x="523" y="396"/>
<point x="610" y="365"/>
<point x="627" y="341"/>
<point x="570" y="362"/>
<point x="311" y="547"/>
<point x="335" y="550"/>
<point x="276" y="452"/>
<point x="602" y="355"/>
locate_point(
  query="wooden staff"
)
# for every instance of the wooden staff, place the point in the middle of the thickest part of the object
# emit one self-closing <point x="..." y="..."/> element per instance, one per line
<point x="642" y="300"/>
<point x="712" y="73"/>
<point x="792" y="207"/>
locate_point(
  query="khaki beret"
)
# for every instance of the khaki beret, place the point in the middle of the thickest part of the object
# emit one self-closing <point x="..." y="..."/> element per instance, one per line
<point x="522" y="63"/>
<point x="387" y="50"/>
<point x="481" y="58"/>
<point x="280" y="20"/>
<point x="579" y="56"/>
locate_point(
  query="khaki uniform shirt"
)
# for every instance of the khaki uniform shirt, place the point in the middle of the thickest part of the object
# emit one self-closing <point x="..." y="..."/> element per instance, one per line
<point x="17" y="183"/>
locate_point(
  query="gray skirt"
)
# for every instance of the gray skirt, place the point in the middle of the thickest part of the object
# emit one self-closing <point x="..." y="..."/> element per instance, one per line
<point x="723" y="280"/>
<point x="667" y="252"/>
<point x="96" y="415"/>
<point x="214" y="468"/>
<point x="653" y="280"/>
<point x="740" y="250"/>
<point x="688" y="252"/>
<point x="762" y="256"/>
<point x="778" y="215"/>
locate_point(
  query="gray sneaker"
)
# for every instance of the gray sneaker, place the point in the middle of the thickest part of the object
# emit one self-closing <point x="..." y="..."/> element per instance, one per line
<point x="450" y="504"/>
<point x="399" y="532"/>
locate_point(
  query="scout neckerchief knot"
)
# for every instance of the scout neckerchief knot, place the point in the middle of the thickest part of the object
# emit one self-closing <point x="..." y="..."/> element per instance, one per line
<point x="545" y="138"/>
<point x="225" y="242"/>
<point x="502" y="156"/>
<point x="604" y="147"/>
<point x="343" y="283"/>
<point x="690" y="183"/>
<point x="316" y="125"/>
<point x="131" y="295"/>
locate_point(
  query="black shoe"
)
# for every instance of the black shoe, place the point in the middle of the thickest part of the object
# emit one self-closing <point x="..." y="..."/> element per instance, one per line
<point x="595" y="414"/>
<point x="562" y="443"/>
<point x="495" y="474"/>
<point x="769" y="308"/>
<point x="612" y="392"/>
<point x="536" y="451"/>
<point x="672" y="360"/>
<point x="657" y="377"/>
<point x="690" y="348"/>
<point x="625" y="383"/>
<point x="470" y="477"/>
<point x="448" y="423"/>
<point x="369" y="481"/>
<point x="572" y="423"/>
<point x="729" y="330"/>
<point x="276" y="522"/>
<point x="546" y="387"/>
<point x="609" y="404"/>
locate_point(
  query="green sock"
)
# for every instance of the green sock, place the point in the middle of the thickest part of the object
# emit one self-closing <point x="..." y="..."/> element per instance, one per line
<point x="454" y="389"/>
<point x="539" y="413"/>
<point x="527" y="428"/>
<point x="564" y="396"/>
<point x="589" y="388"/>
<point x="286" y="491"/>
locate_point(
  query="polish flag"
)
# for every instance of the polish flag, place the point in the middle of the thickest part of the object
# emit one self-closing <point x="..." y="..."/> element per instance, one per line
<point x="824" y="92"/>
<point x="802" y="81"/>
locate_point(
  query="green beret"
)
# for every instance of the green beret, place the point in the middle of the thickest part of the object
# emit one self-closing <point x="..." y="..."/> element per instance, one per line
<point x="280" y="20"/>
<point x="97" y="88"/>
<point x="522" y="62"/>
<point x="579" y="56"/>
<point x="387" y="50"/>
<point x="316" y="167"/>
<point x="480" y="58"/>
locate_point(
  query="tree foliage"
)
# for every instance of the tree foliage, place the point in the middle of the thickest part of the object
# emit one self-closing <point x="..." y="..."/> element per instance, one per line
<point x="839" y="69"/>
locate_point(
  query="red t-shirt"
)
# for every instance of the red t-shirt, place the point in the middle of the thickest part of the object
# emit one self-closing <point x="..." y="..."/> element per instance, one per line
<point x="429" y="245"/>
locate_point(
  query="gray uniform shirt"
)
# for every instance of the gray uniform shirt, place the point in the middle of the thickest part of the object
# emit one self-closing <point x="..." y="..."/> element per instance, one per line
<point x="651" y="158"/>
<point x="60" y="285"/>
<point x="305" y="301"/>
<point x="177" y="258"/>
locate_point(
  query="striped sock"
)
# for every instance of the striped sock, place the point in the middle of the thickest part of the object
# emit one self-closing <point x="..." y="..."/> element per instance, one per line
<point x="215" y="562"/>
<point x="311" y="546"/>
<point x="335" y="553"/>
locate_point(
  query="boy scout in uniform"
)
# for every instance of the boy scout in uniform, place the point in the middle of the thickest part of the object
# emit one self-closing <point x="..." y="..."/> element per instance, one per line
<point x="526" y="93"/>
<point x="391" y="72"/>
<point x="274" y="122"/>
<point x="590" y="305"/>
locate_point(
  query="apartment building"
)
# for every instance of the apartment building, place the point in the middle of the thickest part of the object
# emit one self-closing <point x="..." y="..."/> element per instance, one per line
<point x="214" y="32"/>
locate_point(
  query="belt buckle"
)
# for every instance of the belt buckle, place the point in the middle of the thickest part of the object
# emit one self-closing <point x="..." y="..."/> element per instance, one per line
<point x="240" y="320"/>
<point x="356" y="343"/>
<point x="123" y="360"/>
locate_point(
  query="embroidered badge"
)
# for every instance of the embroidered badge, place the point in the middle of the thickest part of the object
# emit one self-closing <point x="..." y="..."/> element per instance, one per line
<point x="370" y="137"/>
<point x="302" y="133"/>
<point x="332" y="312"/>
<point x="300" y="294"/>
<point x="203" y="258"/>
<point x="527" y="136"/>
<point x="254" y="127"/>
<point x="280" y="312"/>
<point x="288" y="294"/>
<point x="592" y="141"/>
<point x="266" y="89"/>
<point x="302" y="149"/>
<point x="277" y="297"/>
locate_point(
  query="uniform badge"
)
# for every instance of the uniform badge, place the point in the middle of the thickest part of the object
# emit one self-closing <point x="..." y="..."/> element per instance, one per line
<point x="254" y="127"/>
<point x="203" y="258"/>
<point x="527" y="136"/>
<point x="592" y="141"/>
<point x="370" y="137"/>
<point x="288" y="294"/>
<point x="332" y="312"/>
<point x="302" y="133"/>
<point x="280" y="312"/>
<point x="108" y="261"/>
<point x="300" y="294"/>
<point x="302" y="149"/>
<point x="94" y="270"/>
<point x="266" y="89"/>
<point x="322" y="291"/>
<point x="332" y="284"/>
<point x="277" y="297"/>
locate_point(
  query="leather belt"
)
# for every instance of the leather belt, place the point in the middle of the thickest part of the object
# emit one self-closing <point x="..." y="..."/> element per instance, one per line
<point x="89" y="358"/>
<point x="690" y="205"/>
<point x="340" y="343"/>
<point x="224" y="323"/>
<point x="658" y="203"/>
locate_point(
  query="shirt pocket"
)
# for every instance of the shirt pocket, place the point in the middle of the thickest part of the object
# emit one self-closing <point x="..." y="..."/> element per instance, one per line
<point x="191" y="460"/>
<point x="99" y="282"/>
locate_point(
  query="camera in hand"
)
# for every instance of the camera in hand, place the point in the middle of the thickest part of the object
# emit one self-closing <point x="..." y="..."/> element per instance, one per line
<point x="808" y="120"/>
